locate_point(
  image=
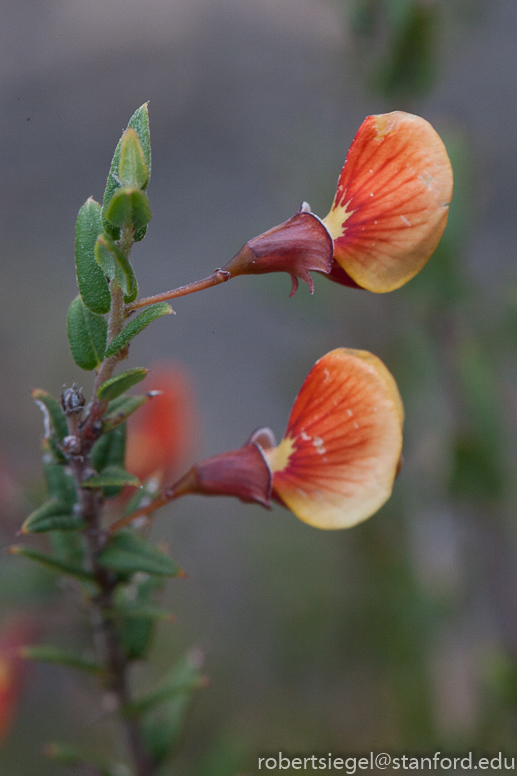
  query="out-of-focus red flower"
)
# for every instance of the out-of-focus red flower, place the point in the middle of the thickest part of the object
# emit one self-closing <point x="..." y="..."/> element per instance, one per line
<point x="162" y="433"/>
<point x="388" y="214"/>
<point x="13" y="635"/>
<point x="340" y="453"/>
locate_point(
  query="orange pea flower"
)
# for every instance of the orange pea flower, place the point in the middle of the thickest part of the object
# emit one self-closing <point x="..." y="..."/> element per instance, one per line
<point x="340" y="453"/>
<point x="388" y="215"/>
<point x="161" y="434"/>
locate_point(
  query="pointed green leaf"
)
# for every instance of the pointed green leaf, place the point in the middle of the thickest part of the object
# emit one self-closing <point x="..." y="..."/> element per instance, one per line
<point x="51" y="516"/>
<point x="111" y="476"/>
<point x="129" y="207"/>
<point x="144" y="496"/>
<point x="114" y="263"/>
<point x="54" y="564"/>
<point x="132" y="169"/>
<point x="68" y="547"/>
<point x="120" y="409"/>
<point x="63" y="754"/>
<point x="183" y="679"/>
<point x="60" y="481"/>
<point x="90" y="277"/>
<point x="140" y="123"/>
<point x="127" y="552"/>
<point x="86" y="335"/>
<point x="117" y="385"/>
<point x="137" y="325"/>
<point x="109" y="450"/>
<point x="64" y="657"/>
<point x="137" y="630"/>
<point x="55" y="421"/>
<point x="163" y="721"/>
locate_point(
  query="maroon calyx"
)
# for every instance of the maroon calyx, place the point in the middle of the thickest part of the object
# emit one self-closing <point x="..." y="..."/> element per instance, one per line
<point x="297" y="246"/>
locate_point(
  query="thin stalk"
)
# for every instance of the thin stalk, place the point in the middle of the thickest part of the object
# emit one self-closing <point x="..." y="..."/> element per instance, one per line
<point x="217" y="277"/>
<point x="185" y="485"/>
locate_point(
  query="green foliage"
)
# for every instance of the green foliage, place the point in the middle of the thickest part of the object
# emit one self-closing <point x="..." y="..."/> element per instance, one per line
<point x="59" y="480"/>
<point x="63" y="754"/>
<point x="137" y="614"/>
<point x="137" y="325"/>
<point x="117" y="385"/>
<point x="165" y="709"/>
<point x="86" y="334"/>
<point x="127" y="553"/>
<point x="55" y="421"/>
<point x="410" y="67"/>
<point x="64" y="657"/>
<point x="120" y="409"/>
<point x="140" y="123"/>
<point x="116" y="266"/>
<point x="112" y="477"/>
<point x="52" y="516"/>
<point x="475" y="474"/>
<point x="52" y="563"/>
<point x="91" y="280"/>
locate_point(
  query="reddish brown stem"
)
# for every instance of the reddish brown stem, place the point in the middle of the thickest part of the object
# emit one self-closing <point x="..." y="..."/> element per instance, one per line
<point x="217" y="277"/>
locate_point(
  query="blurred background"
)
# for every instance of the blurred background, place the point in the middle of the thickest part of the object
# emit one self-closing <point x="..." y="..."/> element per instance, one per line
<point x="399" y="635"/>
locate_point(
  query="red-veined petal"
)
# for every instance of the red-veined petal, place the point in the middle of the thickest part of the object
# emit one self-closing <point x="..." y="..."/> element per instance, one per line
<point x="392" y="200"/>
<point x="338" y="460"/>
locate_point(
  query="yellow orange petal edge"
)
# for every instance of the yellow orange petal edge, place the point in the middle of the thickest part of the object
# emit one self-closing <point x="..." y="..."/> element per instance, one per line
<point x="338" y="460"/>
<point x="392" y="199"/>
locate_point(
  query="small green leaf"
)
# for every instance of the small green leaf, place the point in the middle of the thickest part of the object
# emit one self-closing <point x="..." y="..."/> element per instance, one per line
<point x="132" y="169"/>
<point x="111" y="258"/>
<point x="116" y="386"/>
<point x="59" y="480"/>
<point x="111" y="476"/>
<point x="140" y="123"/>
<point x="132" y="604"/>
<point x="51" y="516"/>
<point x="86" y="334"/>
<point x="129" y="207"/>
<point x="64" y="657"/>
<point x="54" y="564"/>
<point x="120" y="409"/>
<point x="90" y="277"/>
<point x="137" y="325"/>
<point x="109" y="450"/>
<point x="163" y="721"/>
<point x="183" y="679"/>
<point x="144" y="496"/>
<point x="127" y="552"/>
<point x="63" y="754"/>
<point x="55" y="421"/>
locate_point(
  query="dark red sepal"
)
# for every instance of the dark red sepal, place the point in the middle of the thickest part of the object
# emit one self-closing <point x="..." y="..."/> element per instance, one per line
<point x="297" y="246"/>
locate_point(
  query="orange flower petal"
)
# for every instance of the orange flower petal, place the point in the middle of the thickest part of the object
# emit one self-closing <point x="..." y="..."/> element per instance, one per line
<point x="392" y="200"/>
<point x="338" y="460"/>
<point x="161" y="433"/>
